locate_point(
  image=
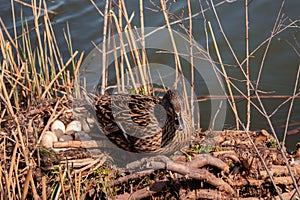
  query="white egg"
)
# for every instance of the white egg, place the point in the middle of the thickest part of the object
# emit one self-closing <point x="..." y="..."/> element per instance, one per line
<point x="58" y="128"/>
<point x="73" y="127"/>
<point x="48" y="139"/>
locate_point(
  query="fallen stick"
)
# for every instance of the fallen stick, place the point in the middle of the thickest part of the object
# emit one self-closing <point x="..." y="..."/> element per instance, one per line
<point x="76" y="144"/>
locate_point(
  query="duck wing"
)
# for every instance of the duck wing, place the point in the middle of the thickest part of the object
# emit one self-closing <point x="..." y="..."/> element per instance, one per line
<point x="135" y="116"/>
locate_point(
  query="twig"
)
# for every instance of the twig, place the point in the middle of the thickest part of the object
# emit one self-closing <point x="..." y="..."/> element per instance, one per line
<point x="76" y="144"/>
<point x="269" y="43"/>
<point x="288" y="97"/>
<point x="291" y="106"/>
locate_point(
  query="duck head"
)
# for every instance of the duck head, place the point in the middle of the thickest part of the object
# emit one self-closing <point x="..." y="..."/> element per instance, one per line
<point x="173" y="104"/>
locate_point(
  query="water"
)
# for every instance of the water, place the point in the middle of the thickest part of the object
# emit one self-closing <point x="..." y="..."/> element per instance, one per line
<point x="280" y="68"/>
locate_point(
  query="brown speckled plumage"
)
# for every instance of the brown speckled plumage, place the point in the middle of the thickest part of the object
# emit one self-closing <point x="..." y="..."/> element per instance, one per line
<point x="139" y="123"/>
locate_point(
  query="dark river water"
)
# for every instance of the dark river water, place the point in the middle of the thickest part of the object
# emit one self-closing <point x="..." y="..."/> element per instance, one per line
<point x="281" y="64"/>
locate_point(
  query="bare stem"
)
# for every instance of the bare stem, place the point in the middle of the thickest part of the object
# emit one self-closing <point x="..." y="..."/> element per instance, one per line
<point x="247" y="67"/>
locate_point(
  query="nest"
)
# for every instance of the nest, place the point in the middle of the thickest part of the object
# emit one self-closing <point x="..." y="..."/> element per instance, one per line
<point x="216" y="165"/>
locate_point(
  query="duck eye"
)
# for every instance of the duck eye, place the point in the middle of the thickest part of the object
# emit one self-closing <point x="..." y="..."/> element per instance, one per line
<point x="176" y="120"/>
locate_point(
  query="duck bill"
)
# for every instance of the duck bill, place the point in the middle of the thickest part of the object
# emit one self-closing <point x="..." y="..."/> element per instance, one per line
<point x="179" y="123"/>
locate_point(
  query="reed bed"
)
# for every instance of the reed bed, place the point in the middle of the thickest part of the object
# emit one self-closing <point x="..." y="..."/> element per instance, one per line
<point x="32" y="70"/>
<point x="37" y="86"/>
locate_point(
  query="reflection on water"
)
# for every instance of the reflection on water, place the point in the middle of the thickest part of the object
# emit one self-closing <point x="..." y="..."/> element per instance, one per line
<point x="281" y="63"/>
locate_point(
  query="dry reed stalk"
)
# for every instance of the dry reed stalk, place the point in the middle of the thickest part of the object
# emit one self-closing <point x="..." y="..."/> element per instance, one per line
<point x="24" y="74"/>
<point x="27" y="182"/>
<point x="242" y="95"/>
<point x="288" y="98"/>
<point x="60" y="186"/>
<point x="12" y="113"/>
<point x="48" y="87"/>
<point x="54" y="50"/>
<point x="10" y="39"/>
<point x="76" y="79"/>
<point x="14" y="81"/>
<point x="2" y="181"/>
<point x="134" y="48"/>
<point x="121" y="54"/>
<point x="104" y="55"/>
<point x="44" y="188"/>
<point x="68" y="39"/>
<point x="262" y="109"/>
<point x="17" y="175"/>
<point x="28" y="5"/>
<point x="179" y="21"/>
<point x="62" y="180"/>
<point x="89" y="163"/>
<point x="110" y="41"/>
<point x="142" y="34"/>
<point x="176" y="56"/>
<point x="15" y="28"/>
<point x="33" y="188"/>
<point x="12" y="165"/>
<point x="235" y="57"/>
<point x="77" y="181"/>
<point x="71" y="183"/>
<point x="247" y="66"/>
<point x="225" y="76"/>
<point x="123" y="50"/>
<point x="36" y="16"/>
<point x="5" y="179"/>
<point x="118" y="72"/>
<point x="191" y="60"/>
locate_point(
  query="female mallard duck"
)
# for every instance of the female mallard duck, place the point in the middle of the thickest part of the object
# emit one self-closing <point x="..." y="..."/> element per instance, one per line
<point x="139" y="123"/>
